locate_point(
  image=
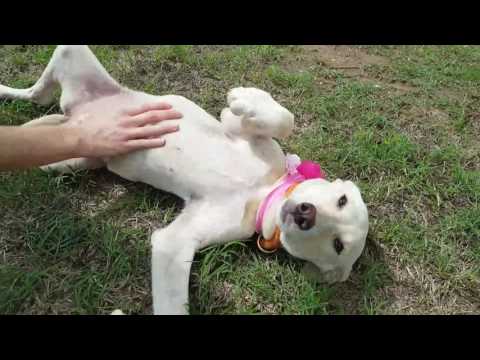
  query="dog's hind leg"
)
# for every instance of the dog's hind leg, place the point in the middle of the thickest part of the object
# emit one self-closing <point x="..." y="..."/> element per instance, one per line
<point x="41" y="93"/>
<point x="77" y="71"/>
<point x="48" y="120"/>
<point x="70" y="165"/>
<point x="43" y="90"/>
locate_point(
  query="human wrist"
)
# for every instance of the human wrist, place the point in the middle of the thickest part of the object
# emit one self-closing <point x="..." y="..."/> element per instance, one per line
<point x="75" y="141"/>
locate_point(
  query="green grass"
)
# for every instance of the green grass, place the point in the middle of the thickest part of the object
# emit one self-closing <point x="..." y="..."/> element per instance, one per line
<point x="404" y="128"/>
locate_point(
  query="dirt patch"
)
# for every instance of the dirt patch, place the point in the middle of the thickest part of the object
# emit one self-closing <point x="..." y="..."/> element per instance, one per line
<point x="396" y="88"/>
<point x="343" y="57"/>
<point x="349" y="61"/>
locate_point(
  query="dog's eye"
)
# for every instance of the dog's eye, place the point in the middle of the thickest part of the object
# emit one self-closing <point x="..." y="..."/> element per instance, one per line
<point x="338" y="245"/>
<point x="342" y="201"/>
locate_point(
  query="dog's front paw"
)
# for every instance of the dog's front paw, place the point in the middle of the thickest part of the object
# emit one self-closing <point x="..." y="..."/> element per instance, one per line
<point x="248" y="101"/>
<point x="242" y="100"/>
<point x="117" y="312"/>
<point x="260" y="113"/>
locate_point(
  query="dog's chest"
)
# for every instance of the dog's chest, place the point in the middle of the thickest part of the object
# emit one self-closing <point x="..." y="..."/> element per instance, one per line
<point x="221" y="165"/>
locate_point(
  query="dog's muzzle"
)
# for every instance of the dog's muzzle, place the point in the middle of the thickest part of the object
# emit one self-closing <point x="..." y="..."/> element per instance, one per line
<point x="303" y="214"/>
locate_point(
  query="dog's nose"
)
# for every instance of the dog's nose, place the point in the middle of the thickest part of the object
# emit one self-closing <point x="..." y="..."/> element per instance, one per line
<point x="304" y="215"/>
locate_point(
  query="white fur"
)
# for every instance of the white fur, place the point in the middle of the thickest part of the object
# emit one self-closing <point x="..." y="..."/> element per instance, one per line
<point x="221" y="169"/>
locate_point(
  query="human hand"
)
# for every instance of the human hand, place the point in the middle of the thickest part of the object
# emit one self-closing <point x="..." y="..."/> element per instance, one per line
<point x="135" y="129"/>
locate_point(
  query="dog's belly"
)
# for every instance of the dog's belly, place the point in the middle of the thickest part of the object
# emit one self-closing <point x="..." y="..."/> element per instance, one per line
<point x="200" y="160"/>
<point x="193" y="164"/>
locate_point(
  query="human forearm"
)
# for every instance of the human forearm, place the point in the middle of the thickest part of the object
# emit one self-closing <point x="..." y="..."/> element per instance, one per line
<point x="23" y="147"/>
<point x="86" y="136"/>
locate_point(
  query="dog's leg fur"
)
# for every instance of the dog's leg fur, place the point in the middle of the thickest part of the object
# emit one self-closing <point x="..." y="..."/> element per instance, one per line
<point x="70" y="165"/>
<point x="201" y="224"/>
<point x="173" y="249"/>
<point x="41" y="93"/>
<point x="48" y="120"/>
<point x="172" y="256"/>
<point x="80" y="75"/>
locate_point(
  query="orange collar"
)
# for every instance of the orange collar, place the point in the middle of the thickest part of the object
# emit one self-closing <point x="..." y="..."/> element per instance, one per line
<point x="269" y="246"/>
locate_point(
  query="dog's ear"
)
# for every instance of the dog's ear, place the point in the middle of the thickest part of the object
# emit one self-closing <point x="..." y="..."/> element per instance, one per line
<point x="314" y="273"/>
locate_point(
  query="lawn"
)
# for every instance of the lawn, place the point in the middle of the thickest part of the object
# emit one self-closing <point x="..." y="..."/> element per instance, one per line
<point x="403" y="122"/>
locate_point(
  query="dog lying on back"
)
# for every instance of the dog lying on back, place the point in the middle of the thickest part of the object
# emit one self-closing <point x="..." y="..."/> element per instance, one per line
<point x="233" y="176"/>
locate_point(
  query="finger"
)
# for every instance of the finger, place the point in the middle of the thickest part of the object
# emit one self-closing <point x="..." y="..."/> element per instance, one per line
<point x="141" y="144"/>
<point x="152" y="117"/>
<point x="150" y="132"/>
<point x="148" y="107"/>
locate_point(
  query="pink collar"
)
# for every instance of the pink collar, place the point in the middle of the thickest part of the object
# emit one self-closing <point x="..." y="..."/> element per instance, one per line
<point x="297" y="172"/>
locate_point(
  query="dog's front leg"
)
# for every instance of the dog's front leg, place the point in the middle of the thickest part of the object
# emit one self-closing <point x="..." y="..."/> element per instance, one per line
<point x="171" y="261"/>
<point x="173" y="249"/>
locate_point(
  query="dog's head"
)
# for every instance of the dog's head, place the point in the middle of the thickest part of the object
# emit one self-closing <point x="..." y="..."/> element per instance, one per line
<point x="325" y="223"/>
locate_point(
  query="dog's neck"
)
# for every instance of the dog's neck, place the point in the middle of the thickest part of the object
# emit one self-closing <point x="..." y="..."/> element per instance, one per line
<point x="262" y="210"/>
<point x="269" y="220"/>
<point x="266" y="218"/>
<point x="254" y="203"/>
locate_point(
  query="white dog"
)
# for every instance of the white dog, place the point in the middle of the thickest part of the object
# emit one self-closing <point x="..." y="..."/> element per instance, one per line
<point x="233" y="176"/>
